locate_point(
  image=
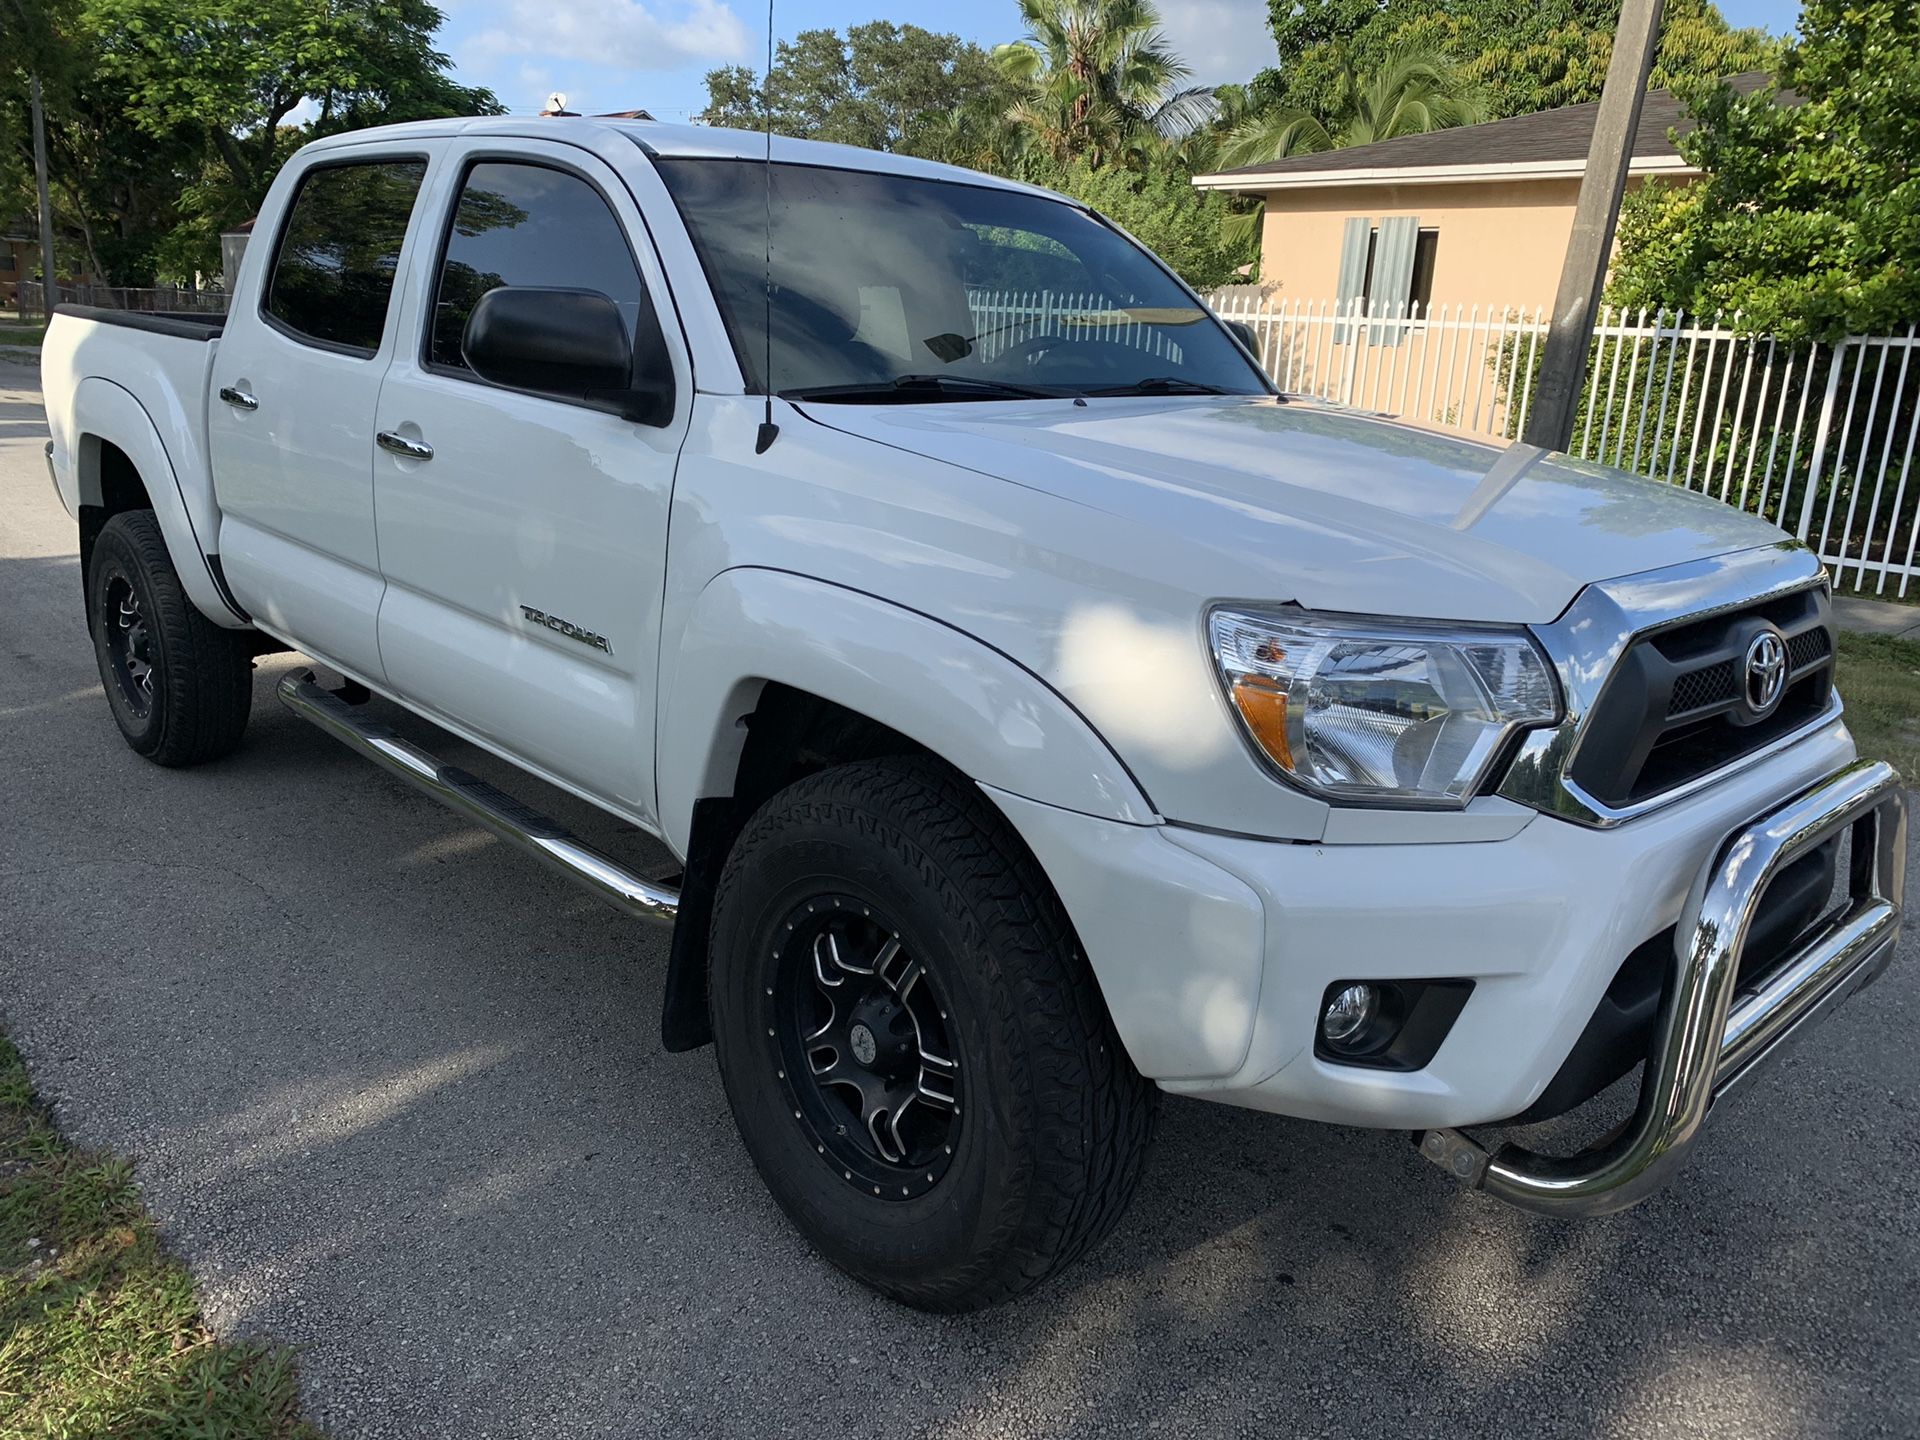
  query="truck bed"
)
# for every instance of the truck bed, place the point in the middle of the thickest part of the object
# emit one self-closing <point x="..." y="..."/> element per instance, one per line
<point x="141" y="378"/>
<point x="182" y="324"/>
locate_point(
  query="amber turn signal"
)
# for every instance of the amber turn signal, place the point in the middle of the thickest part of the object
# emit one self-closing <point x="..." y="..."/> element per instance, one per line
<point x="1262" y="703"/>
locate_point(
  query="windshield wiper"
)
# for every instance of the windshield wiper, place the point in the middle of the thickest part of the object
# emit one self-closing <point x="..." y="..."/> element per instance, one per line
<point x="906" y="389"/>
<point x="1163" y="385"/>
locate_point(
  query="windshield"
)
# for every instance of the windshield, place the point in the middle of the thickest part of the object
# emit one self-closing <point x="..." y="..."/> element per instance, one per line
<point x="894" y="287"/>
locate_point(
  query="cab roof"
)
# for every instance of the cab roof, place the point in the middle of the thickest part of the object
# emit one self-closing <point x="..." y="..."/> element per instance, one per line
<point x="693" y="142"/>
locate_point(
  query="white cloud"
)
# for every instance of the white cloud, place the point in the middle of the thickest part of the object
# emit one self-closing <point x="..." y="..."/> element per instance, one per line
<point x="1222" y="41"/>
<point x="620" y="33"/>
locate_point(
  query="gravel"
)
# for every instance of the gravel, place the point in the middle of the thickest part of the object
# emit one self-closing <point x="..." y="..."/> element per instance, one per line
<point x="397" y="1097"/>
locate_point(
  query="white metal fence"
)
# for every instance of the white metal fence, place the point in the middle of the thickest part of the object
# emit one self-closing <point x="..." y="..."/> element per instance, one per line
<point x="1819" y="438"/>
<point x="1003" y="319"/>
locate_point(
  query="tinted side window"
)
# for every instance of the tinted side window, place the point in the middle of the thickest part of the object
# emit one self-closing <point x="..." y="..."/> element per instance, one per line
<point x="338" y="253"/>
<point x="520" y="224"/>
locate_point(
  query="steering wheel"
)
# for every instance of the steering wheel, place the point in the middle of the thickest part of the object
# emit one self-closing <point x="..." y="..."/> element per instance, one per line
<point x="1028" y="350"/>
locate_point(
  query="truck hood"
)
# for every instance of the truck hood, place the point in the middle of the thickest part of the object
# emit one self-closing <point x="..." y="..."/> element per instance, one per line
<point x="1336" y="510"/>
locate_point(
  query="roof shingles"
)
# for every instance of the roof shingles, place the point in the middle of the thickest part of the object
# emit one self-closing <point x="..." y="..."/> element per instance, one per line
<point x="1548" y="136"/>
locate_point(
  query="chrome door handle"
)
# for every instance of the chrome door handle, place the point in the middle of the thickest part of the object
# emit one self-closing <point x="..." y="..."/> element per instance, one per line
<point x="401" y="445"/>
<point x="239" y="399"/>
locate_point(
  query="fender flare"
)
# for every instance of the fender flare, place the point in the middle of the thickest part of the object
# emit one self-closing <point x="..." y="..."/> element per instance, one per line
<point x="106" y="412"/>
<point x="991" y="718"/>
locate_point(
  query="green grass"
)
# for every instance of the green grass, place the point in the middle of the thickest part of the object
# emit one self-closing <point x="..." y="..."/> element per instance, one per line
<point x="22" y="332"/>
<point x="100" y="1333"/>
<point x="1880" y="681"/>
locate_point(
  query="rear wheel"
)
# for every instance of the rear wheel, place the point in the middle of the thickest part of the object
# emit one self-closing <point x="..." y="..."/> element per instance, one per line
<point x="180" y="687"/>
<point x="914" y="1048"/>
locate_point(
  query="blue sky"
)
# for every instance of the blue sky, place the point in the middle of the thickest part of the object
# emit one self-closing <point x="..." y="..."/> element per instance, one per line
<point x="653" y="54"/>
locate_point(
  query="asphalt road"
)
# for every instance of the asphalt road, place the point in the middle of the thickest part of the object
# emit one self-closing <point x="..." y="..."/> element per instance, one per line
<point x="395" y="1095"/>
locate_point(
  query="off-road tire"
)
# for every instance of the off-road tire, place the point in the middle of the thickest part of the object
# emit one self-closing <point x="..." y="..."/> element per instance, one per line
<point x="1055" y="1121"/>
<point x="201" y="675"/>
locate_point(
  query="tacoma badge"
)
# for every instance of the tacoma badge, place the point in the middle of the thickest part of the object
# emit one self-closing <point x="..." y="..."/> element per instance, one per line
<point x="566" y="628"/>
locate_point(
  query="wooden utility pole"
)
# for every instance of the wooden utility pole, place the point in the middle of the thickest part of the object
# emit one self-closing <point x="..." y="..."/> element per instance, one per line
<point x="1584" y="275"/>
<point x="46" y="207"/>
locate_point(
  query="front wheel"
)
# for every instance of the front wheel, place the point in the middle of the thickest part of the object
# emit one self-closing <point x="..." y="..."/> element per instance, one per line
<point x="179" y="686"/>
<point x="914" y="1048"/>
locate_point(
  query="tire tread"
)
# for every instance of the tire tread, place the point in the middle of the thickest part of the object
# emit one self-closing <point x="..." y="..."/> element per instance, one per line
<point x="1091" y="1114"/>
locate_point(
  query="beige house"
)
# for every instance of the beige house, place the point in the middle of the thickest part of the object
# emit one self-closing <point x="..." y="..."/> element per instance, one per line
<point x="1478" y="215"/>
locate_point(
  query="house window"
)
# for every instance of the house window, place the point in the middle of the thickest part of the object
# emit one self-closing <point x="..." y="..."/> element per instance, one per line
<point x="1386" y="272"/>
<point x="7" y="263"/>
<point x="1424" y="249"/>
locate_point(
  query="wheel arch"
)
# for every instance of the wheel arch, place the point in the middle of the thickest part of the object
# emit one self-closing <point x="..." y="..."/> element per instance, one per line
<point x="121" y="464"/>
<point x="953" y="695"/>
<point x="776" y="675"/>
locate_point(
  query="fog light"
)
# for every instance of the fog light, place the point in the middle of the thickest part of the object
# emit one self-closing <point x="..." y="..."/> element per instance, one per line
<point x="1347" y="1013"/>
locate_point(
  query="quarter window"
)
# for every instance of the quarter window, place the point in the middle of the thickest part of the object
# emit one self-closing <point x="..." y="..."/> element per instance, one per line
<point x="333" y="273"/>
<point x="521" y="224"/>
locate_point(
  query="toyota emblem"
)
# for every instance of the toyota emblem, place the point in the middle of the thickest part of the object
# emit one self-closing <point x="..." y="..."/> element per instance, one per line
<point x="1766" y="672"/>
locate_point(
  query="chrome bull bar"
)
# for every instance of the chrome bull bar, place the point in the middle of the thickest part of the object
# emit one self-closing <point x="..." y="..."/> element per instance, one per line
<point x="1708" y="1038"/>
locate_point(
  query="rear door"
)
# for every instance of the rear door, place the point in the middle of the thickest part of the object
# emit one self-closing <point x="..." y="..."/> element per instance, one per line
<point x="295" y="378"/>
<point x="525" y="558"/>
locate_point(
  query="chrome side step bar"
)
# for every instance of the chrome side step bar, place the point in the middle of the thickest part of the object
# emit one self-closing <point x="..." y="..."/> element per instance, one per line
<point x="547" y="841"/>
<point x="1708" y="1039"/>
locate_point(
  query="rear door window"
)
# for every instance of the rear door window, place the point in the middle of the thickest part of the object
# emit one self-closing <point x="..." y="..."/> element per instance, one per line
<point x="339" y="251"/>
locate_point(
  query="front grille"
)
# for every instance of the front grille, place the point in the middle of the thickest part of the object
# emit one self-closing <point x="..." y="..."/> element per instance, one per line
<point x="1809" y="647"/>
<point x="1675" y="707"/>
<point x="1713" y="684"/>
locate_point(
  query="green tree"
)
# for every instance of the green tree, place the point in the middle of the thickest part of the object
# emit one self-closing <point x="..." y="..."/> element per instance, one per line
<point x="733" y="98"/>
<point x="1808" y="219"/>
<point x="166" y="122"/>
<point x="881" y="86"/>
<point x="115" y="190"/>
<point x="1412" y="92"/>
<point x="1095" y="74"/>
<point x="1522" y="55"/>
<point x="980" y="135"/>
<point x="1159" y="207"/>
<point x="234" y="71"/>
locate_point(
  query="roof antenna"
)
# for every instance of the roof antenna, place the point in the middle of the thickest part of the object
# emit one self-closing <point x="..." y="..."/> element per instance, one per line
<point x="768" y="430"/>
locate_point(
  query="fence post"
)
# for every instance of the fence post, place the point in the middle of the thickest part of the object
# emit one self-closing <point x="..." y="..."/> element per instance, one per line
<point x="1353" y="352"/>
<point x="1816" y="462"/>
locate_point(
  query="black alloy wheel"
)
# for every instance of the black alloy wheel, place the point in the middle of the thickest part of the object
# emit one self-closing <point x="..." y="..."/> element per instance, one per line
<point x="129" y="646"/>
<point x="860" y="1035"/>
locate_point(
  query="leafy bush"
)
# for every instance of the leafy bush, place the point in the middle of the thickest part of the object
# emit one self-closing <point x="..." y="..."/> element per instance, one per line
<point x="1808" y="220"/>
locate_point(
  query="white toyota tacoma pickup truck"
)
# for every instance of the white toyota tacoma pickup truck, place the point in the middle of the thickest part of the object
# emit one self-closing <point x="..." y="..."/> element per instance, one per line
<point x="1042" y="710"/>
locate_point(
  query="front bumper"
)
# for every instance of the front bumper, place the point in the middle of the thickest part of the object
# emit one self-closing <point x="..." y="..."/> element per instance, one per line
<point x="1708" y="1038"/>
<point x="1214" y="951"/>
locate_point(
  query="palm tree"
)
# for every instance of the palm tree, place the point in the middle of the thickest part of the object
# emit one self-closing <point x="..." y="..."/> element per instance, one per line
<point x="1097" y="71"/>
<point x="979" y="135"/>
<point x="1412" y="92"/>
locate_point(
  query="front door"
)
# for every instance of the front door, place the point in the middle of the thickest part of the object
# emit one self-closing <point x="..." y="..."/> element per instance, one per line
<point x="290" y="425"/>
<point x="523" y="535"/>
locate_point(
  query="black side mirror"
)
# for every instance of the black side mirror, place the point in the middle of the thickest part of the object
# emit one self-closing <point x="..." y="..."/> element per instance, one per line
<point x="1245" y="334"/>
<point x="571" y="343"/>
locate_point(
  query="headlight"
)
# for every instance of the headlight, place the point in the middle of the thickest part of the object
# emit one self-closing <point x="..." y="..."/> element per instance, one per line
<point x="1380" y="710"/>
